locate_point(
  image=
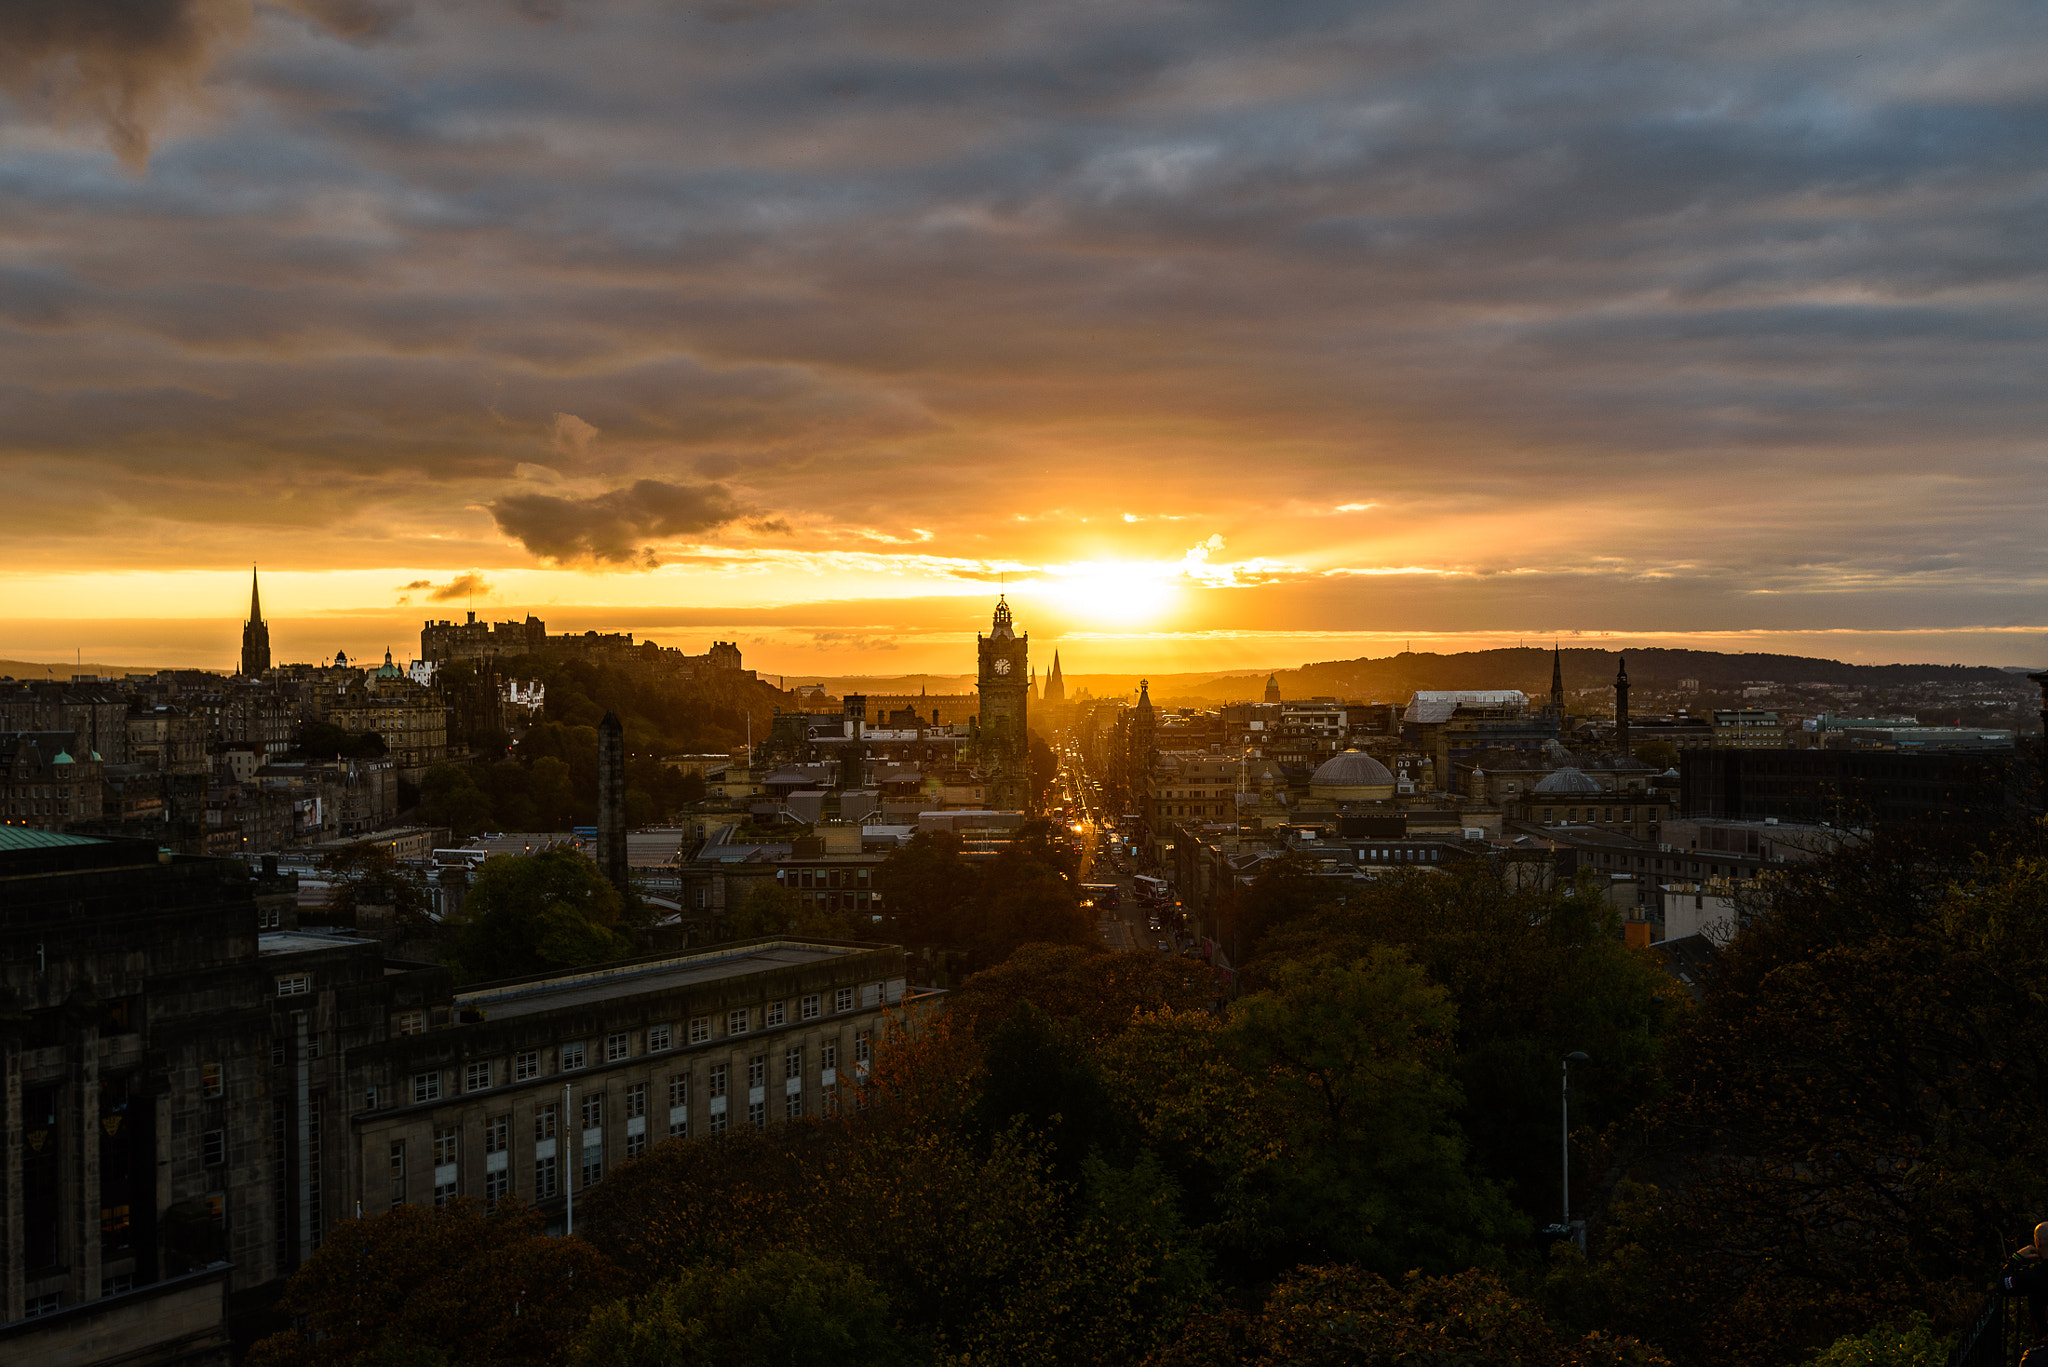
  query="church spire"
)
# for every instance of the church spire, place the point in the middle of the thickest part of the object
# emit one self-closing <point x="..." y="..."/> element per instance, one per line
<point x="255" y="634"/>
<point x="1055" y="682"/>
<point x="1621" y="704"/>
<point x="1557" y="680"/>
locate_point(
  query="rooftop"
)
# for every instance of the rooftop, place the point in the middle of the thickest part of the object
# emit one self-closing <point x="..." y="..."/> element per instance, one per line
<point x="633" y="979"/>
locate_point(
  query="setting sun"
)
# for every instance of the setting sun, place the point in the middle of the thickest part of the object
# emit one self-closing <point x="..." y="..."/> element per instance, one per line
<point x="1116" y="593"/>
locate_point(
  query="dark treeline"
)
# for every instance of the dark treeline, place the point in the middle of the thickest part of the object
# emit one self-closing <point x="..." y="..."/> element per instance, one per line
<point x="1079" y="1160"/>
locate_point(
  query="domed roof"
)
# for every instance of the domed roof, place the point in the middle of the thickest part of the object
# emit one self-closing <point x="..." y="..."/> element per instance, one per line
<point x="1567" y="782"/>
<point x="1342" y="776"/>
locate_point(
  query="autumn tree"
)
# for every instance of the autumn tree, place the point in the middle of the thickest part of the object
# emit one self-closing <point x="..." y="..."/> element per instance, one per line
<point x="453" y="1284"/>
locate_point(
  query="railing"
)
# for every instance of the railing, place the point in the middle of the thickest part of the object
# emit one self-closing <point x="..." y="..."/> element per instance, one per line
<point x="1992" y="1338"/>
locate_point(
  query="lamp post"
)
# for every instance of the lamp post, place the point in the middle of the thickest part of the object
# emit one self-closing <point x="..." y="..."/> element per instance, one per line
<point x="1565" y="1112"/>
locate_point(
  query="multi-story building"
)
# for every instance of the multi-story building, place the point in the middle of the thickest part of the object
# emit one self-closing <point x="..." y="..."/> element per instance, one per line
<point x="166" y="739"/>
<point x="1748" y="728"/>
<point x="195" y="1090"/>
<point x="538" y="1087"/>
<point x="135" y="1049"/>
<point x="47" y="779"/>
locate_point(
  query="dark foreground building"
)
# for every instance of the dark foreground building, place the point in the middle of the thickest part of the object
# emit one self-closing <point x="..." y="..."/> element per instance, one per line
<point x="196" y="1089"/>
<point x="1881" y="790"/>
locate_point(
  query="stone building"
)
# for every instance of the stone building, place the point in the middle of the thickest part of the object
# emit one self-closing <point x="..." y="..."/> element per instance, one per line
<point x="197" y="1090"/>
<point x="47" y="779"/>
<point x="539" y="1086"/>
<point x="134" y="1039"/>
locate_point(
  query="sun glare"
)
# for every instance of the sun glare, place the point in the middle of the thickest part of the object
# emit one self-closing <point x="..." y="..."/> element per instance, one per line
<point x="1118" y="593"/>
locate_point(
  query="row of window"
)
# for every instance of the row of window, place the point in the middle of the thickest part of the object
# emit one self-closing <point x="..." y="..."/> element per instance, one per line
<point x="618" y="1047"/>
<point x="633" y="1102"/>
<point x="477" y="1077"/>
<point x="1601" y="814"/>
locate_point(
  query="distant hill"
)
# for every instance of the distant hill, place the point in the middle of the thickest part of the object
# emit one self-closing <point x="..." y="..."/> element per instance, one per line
<point x="1393" y="678"/>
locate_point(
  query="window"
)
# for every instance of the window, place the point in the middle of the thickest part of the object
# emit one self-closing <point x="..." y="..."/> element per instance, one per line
<point x="808" y="1010"/>
<point x="444" y="1146"/>
<point x="636" y="1100"/>
<point x="863" y="1052"/>
<point x="593" y="1111"/>
<point x="700" y="1029"/>
<point x="617" y="1047"/>
<point x="213" y="1148"/>
<point x="410" y="1023"/>
<point x="210" y="1080"/>
<point x="757" y="1071"/>
<point x="476" y="1077"/>
<point x="545" y="1183"/>
<point x="398" y="1160"/>
<point x="679" y="1105"/>
<point x="718" y="1075"/>
<point x="793" y="1063"/>
<point x="276" y="1052"/>
<point x="593" y="1166"/>
<point x="757" y="1114"/>
<point x="296" y="986"/>
<point x="718" y="1122"/>
<point x="572" y="1057"/>
<point x="842" y="1000"/>
<point x="497" y="1134"/>
<point x="736" y="1021"/>
<point x="793" y="1106"/>
<point x="426" y="1087"/>
<point x="370" y="1098"/>
<point x="828" y="1055"/>
<point x="43" y="1305"/>
<point x="636" y="1144"/>
<point x="776" y="1015"/>
<point x="544" y="1122"/>
<point x="497" y="1184"/>
<point x="657" y="1038"/>
<point x="526" y="1066"/>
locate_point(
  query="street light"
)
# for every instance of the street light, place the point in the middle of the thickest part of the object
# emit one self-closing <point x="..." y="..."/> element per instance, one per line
<point x="1565" y="1111"/>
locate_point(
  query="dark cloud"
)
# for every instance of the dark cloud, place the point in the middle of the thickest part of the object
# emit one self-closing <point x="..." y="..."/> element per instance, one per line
<point x="1636" y="280"/>
<point x="462" y="586"/>
<point x="613" y="528"/>
<point x="115" y="61"/>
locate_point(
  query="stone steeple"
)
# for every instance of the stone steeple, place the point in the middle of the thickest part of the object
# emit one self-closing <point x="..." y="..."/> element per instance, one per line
<point x="1055" y="682"/>
<point x="1557" y="681"/>
<point x="255" y="634"/>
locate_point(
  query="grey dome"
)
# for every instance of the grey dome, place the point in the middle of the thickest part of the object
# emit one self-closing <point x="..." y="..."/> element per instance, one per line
<point x="1567" y="783"/>
<point x="1352" y="769"/>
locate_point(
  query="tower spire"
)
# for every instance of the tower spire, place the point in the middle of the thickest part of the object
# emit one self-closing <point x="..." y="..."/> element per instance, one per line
<point x="1557" y="680"/>
<point x="255" y="634"/>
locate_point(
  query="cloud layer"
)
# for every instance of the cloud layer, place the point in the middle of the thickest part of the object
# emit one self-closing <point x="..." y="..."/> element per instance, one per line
<point x="1601" y="314"/>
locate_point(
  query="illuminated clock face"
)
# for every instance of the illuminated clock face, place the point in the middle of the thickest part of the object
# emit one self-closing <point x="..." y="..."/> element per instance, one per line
<point x="1002" y="666"/>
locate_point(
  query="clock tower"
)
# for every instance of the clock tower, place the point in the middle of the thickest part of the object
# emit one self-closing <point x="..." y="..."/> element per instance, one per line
<point x="1002" y="744"/>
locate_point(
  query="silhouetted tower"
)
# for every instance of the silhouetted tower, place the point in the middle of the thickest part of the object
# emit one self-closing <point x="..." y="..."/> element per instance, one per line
<point x="1055" y="682"/>
<point x="611" y="800"/>
<point x="1557" y="682"/>
<point x="1621" y="705"/>
<point x="255" y="634"/>
<point x="1002" y="738"/>
<point x="1272" y="688"/>
<point x="853" y="755"/>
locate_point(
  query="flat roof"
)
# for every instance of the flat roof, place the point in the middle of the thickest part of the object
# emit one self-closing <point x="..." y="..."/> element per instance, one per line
<point x="605" y="983"/>
<point x="303" y="941"/>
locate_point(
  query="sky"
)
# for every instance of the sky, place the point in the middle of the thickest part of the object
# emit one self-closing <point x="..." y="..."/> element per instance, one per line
<point x="1217" y="334"/>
